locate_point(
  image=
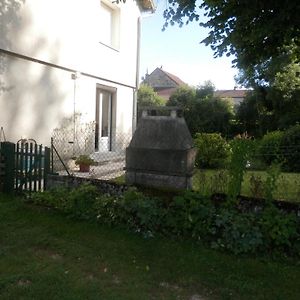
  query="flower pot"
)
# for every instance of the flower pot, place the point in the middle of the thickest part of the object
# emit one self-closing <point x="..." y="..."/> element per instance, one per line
<point x="84" y="168"/>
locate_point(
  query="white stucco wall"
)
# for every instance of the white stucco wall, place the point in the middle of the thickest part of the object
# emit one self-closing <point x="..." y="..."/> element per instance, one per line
<point x="34" y="97"/>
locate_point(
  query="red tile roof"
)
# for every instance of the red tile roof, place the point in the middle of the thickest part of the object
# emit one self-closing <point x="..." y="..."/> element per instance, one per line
<point x="176" y="79"/>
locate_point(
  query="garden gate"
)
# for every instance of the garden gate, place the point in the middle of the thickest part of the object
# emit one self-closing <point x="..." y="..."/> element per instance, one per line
<point x="25" y="166"/>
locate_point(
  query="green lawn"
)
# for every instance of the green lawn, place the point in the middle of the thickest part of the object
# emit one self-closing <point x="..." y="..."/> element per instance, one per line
<point x="45" y="255"/>
<point x="288" y="186"/>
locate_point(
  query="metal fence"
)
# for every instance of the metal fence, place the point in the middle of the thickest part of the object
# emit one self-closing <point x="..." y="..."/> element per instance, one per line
<point x="106" y="149"/>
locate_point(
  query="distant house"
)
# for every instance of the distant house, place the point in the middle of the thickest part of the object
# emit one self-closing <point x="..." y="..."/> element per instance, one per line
<point x="163" y="82"/>
<point x="237" y="96"/>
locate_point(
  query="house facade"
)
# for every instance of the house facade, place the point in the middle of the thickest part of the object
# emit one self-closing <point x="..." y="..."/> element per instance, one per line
<point x="69" y="60"/>
<point x="163" y="82"/>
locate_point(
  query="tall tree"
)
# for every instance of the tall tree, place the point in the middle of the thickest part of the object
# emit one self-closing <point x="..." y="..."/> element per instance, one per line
<point x="202" y="111"/>
<point x="264" y="36"/>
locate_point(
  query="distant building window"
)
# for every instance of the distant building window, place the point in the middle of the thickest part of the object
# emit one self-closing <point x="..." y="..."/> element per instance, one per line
<point x="110" y="25"/>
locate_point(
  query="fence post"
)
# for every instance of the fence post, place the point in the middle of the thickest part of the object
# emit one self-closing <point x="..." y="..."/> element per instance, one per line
<point x="46" y="166"/>
<point x="8" y="151"/>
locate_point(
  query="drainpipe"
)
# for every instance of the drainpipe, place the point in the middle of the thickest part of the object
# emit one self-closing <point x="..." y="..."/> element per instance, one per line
<point x="137" y="76"/>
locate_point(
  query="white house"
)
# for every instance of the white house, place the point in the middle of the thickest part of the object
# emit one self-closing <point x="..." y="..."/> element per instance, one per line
<point x="63" y="58"/>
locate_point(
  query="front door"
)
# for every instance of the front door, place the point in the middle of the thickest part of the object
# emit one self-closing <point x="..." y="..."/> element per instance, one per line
<point x="103" y="121"/>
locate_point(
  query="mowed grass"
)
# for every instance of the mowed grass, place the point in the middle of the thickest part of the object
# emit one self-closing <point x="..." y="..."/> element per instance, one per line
<point x="210" y="181"/>
<point x="45" y="255"/>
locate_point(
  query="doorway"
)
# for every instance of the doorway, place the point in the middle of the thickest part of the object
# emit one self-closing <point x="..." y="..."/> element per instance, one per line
<point x="103" y="120"/>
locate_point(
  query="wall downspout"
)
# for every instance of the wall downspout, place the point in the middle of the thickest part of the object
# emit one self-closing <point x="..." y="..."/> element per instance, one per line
<point x="137" y="78"/>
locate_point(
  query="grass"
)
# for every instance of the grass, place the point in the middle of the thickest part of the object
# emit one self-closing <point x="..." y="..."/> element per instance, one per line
<point x="211" y="181"/>
<point x="288" y="186"/>
<point x="44" y="255"/>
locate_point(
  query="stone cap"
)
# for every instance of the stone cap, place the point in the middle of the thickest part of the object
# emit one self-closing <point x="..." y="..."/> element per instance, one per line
<point x="174" y="111"/>
<point x="162" y="132"/>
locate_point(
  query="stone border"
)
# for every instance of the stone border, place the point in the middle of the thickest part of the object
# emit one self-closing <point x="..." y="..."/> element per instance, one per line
<point x="104" y="187"/>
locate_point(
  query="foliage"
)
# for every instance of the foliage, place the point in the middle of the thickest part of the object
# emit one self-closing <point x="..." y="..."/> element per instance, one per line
<point x="290" y="149"/>
<point x="256" y="186"/>
<point x="84" y="160"/>
<point x="211" y="181"/>
<point x="146" y="96"/>
<point x="278" y="229"/>
<point x="76" y="202"/>
<point x="212" y="115"/>
<point x="287" y="80"/>
<point x="269" y="147"/>
<point x="250" y="33"/>
<point x="188" y="215"/>
<point x="241" y="149"/>
<point x="266" y="56"/>
<point x="248" y="115"/>
<point x="268" y="109"/>
<point x="202" y="111"/>
<point x="273" y="173"/>
<point x="43" y="253"/>
<point x="205" y="90"/>
<point x="184" y="97"/>
<point x="213" y="150"/>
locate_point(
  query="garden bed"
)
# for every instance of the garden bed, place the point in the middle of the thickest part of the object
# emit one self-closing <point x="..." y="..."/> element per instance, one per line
<point x="44" y="253"/>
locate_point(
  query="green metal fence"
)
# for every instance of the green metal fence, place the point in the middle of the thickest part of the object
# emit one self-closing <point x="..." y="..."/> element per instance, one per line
<point x="25" y="166"/>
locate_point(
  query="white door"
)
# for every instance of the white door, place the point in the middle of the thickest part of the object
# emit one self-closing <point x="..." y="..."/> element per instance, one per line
<point x="103" y="121"/>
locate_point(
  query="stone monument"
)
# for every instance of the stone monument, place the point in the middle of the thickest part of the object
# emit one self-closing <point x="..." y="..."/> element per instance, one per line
<point x="161" y="152"/>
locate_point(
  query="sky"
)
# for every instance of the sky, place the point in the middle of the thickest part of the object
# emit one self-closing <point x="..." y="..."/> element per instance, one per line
<point x="179" y="51"/>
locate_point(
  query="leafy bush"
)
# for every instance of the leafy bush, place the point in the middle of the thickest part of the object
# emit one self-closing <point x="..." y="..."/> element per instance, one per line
<point x="279" y="230"/>
<point x="269" y="147"/>
<point x="146" y="96"/>
<point x="290" y="149"/>
<point x="77" y="202"/>
<point x="213" y="150"/>
<point x="189" y="215"/>
<point x="237" y="232"/>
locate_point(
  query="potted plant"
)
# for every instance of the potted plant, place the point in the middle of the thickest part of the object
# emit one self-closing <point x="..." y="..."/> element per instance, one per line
<point x="84" y="162"/>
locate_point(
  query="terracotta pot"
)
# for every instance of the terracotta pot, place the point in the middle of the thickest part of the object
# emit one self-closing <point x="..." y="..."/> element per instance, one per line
<point x="84" y="168"/>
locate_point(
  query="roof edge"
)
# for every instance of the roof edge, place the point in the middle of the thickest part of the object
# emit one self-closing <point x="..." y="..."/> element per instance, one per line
<point x="174" y="78"/>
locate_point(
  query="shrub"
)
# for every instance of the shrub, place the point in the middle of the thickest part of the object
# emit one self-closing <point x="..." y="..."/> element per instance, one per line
<point x="290" y="149"/>
<point x="237" y="232"/>
<point x="82" y="201"/>
<point x="269" y="147"/>
<point x="279" y="230"/>
<point x="213" y="150"/>
<point x="189" y="215"/>
<point x="77" y="202"/>
<point x="241" y="150"/>
<point x="148" y="97"/>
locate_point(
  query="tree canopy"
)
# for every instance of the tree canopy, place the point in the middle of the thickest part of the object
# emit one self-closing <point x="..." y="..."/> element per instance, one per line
<point x="264" y="36"/>
<point x="146" y="96"/>
<point x="202" y="111"/>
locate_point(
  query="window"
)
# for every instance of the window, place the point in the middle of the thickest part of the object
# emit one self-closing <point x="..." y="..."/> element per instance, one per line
<point x="109" y="25"/>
